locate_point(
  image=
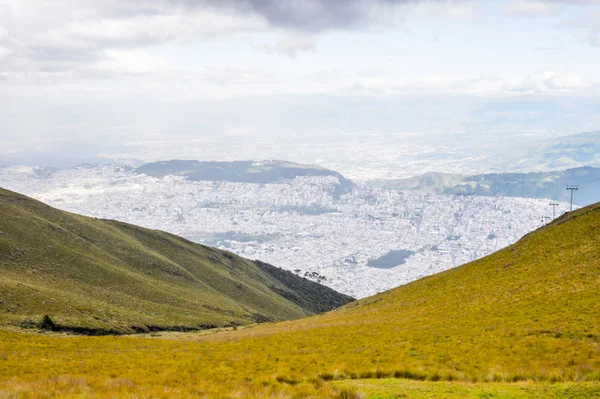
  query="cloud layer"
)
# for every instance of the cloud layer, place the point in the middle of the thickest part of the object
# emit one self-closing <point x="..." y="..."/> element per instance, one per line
<point x="72" y="39"/>
<point x="306" y="15"/>
<point x="74" y="42"/>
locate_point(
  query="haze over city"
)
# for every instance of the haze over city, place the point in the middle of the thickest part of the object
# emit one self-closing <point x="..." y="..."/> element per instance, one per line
<point x="312" y="81"/>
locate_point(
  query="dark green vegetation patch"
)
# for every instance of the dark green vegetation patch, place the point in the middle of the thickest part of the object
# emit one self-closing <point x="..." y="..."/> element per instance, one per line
<point x="303" y="292"/>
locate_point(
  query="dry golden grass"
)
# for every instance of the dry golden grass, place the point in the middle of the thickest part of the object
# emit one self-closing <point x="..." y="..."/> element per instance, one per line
<point x="529" y="314"/>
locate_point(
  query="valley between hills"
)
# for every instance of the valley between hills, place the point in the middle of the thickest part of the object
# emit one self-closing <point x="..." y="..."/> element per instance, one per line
<point x="522" y="322"/>
<point x="300" y="199"/>
<point x="351" y="237"/>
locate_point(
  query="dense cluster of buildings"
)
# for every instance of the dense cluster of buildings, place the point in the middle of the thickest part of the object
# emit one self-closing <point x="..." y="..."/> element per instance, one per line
<point x="298" y="224"/>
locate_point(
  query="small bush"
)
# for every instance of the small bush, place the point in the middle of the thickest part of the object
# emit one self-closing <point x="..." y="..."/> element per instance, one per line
<point x="410" y="375"/>
<point x="286" y="380"/>
<point x="517" y="378"/>
<point x="27" y="324"/>
<point x="47" y="323"/>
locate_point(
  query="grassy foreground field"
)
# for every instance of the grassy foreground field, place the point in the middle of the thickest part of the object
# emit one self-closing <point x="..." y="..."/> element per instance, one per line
<point x="385" y="388"/>
<point x="35" y="366"/>
<point x="524" y="322"/>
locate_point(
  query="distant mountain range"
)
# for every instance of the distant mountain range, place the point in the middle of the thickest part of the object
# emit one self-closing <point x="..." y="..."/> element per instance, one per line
<point x="577" y="150"/>
<point x="537" y="170"/>
<point x="102" y="276"/>
<point x="550" y="185"/>
<point x="261" y="172"/>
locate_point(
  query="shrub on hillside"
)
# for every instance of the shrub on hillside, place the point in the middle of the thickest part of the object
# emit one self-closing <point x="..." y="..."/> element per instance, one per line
<point x="47" y="323"/>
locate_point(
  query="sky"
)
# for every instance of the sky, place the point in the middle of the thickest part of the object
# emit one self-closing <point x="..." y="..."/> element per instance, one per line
<point x="90" y="77"/>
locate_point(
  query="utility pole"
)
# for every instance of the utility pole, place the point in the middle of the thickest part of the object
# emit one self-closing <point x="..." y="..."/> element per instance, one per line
<point x="553" y="205"/>
<point x="545" y="219"/>
<point x="572" y="188"/>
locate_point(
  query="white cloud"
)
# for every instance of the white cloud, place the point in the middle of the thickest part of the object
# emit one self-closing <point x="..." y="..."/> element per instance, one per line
<point x="594" y="39"/>
<point x="586" y="26"/>
<point x="386" y="82"/>
<point x="547" y="81"/>
<point x="291" y="44"/>
<point x="393" y="85"/>
<point x="568" y="82"/>
<point x="41" y="43"/>
<point x="576" y="2"/>
<point x="530" y="8"/>
<point x="131" y="62"/>
<point x="159" y="29"/>
<point x="6" y="11"/>
<point x="444" y="9"/>
<point x="316" y="15"/>
<point x="4" y="52"/>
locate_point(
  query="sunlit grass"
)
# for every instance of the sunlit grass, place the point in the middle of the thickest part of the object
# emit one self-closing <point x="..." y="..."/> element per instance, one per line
<point x="384" y="389"/>
<point x="524" y="322"/>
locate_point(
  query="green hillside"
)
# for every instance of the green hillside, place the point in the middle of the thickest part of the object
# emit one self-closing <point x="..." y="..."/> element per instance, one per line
<point x="99" y="276"/>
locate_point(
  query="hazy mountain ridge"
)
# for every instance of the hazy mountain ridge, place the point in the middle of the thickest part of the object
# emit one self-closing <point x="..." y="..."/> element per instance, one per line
<point x="94" y="274"/>
<point x="260" y="172"/>
<point x="551" y="185"/>
<point x="572" y="151"/>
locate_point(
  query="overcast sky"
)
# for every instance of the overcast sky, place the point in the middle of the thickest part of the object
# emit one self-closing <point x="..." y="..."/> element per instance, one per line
<point x="85" y="69"/>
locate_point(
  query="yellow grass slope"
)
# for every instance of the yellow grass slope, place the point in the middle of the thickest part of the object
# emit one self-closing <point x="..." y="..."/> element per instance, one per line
<point x="530" y="311"/>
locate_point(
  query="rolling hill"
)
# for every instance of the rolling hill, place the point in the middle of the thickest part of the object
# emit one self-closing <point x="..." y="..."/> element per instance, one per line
<point x="564" y="152"/>
<point x="102" y="276"/>
<point x="261" y="172"/>
<point x="533" y="185"/>
<point x="523" y="322"/>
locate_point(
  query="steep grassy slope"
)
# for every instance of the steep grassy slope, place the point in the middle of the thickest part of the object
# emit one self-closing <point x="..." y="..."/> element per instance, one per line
<point x="106" y="275"/>
<point x="525" y="320"/>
